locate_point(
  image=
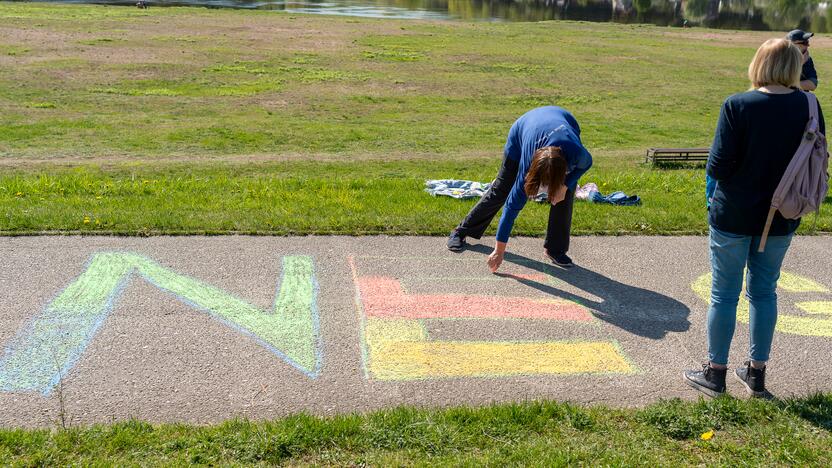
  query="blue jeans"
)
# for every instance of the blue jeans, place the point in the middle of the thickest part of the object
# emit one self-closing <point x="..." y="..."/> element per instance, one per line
<point x="730" y="253"/>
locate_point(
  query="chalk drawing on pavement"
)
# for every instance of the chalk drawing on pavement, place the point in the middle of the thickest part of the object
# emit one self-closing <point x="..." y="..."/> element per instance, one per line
<point x="817" y="317"/>
<point x="396" y="344"/>
<point x="52" y="342"/>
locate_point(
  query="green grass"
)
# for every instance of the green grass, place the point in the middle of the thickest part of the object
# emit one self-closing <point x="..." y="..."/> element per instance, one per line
<point x="751" y="433"/>
<point x="323" y="198"/>
<point x="343" y="119"/>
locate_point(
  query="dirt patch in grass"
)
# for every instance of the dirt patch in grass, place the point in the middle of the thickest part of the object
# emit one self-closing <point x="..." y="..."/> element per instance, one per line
<point x="42" y="37"/>
<point x="736" y="38"/>
<point x="112" y="160"/>
<point x="625" y="158"/>
<point x="48" y="44"/>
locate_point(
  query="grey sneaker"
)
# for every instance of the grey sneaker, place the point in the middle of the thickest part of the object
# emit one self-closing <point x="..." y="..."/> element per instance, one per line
<point x="709" y="381"/>
<point x="562" y="260"/>
<point x="754" y="380"/>
<point x="456" y="242"/>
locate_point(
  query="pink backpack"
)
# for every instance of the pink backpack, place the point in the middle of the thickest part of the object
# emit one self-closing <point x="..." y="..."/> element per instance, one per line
<point x="803" y="186"/>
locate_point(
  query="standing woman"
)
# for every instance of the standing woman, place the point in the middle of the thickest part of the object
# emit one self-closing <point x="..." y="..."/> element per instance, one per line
<point x="757" y="134"/>
<point x="543" y="152"/>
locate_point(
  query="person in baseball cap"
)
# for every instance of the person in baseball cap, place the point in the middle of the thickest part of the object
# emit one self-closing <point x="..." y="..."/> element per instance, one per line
<point x="808" y="77"/>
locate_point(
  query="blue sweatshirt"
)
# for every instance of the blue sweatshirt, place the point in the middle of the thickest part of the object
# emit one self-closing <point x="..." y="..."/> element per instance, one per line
<point x="538" y="128"/>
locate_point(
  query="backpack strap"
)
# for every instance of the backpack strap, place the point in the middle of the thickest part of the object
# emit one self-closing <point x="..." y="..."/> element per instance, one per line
<point x="764" y="237"/>
<point x="813" y="114"/>
<point x="813" y="107"/>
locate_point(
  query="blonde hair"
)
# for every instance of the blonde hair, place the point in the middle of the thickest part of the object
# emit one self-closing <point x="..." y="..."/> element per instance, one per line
<point x="777" y="61"/>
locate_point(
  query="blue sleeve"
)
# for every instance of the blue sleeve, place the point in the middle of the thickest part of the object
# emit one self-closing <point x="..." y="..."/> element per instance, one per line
<point x="570" y="119"/>
<point x="514" y="204"/>
<point x="517" y="197"/>
<point x="584" y="163"/>
<point x="506" y="224"/>
<point x="710" y="188"/>
<point x="724" y="157"/>
<point x="513" y="150"/>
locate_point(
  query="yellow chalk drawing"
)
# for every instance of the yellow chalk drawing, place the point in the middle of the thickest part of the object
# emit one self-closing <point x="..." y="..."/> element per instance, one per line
<point x="396" y="344"/>
<point x="816" y="307"/>
<point x="400" y="350"/>
<point x="798" y="284"/>
<point x="380" y="331"/>
<point x="819" y="323"/>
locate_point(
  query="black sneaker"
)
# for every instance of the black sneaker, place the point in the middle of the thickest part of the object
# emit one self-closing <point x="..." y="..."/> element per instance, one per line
<point x="709" y="381"/>
<point x="456" y="242"/>
<point x="561" y="260"/>
<point x="754" y="380"/>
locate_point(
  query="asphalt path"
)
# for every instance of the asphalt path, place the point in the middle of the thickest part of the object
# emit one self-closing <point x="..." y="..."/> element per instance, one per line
<point x="203" y="329"/>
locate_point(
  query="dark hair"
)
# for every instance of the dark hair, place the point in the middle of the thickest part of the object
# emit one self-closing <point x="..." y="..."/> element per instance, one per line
<point x="548" y="168"/>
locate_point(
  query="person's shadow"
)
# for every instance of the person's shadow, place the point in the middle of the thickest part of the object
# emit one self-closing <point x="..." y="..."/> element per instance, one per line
<point x="639" y="311"/>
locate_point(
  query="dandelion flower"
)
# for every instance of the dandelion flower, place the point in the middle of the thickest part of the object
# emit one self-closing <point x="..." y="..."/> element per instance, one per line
<point x="707" y="435"/>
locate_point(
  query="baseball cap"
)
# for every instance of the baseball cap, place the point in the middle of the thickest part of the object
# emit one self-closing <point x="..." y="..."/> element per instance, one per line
<point x="799" y="35"/>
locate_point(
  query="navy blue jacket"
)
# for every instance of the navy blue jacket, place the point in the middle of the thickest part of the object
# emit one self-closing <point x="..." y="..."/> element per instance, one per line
<point x="808" y="72"/>
<point x="756" y="137"/>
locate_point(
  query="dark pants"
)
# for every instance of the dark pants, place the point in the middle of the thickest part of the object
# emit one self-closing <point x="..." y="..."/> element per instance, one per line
<point x="480" y="216"/>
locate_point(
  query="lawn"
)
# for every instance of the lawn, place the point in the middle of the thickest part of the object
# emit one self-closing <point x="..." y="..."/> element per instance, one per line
<point x="719" y="432"/>
<point x="302" y="197"/>
<point x="187" y="120"/>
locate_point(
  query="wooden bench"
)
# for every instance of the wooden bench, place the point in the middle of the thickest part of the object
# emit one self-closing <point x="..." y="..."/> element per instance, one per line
<point x="675" y="155"/>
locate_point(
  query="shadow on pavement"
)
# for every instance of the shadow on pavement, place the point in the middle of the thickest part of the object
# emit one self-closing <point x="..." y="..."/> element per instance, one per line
<point x="639" y="311"/>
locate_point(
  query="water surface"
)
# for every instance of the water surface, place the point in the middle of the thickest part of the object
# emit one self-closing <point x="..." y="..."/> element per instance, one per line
<point x="735" y="14"/>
